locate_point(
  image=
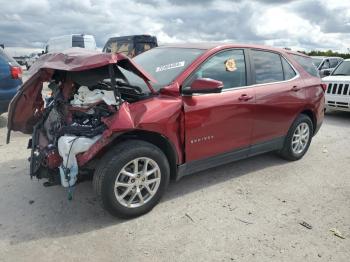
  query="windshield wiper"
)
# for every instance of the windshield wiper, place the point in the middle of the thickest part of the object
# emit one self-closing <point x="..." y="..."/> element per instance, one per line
<point x="122" y="84"/>
<point x="108" y="85"/>
<point x="339" y="74"/>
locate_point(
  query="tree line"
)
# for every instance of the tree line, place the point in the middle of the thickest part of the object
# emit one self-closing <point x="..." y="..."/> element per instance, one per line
<point x="326" y="53"/>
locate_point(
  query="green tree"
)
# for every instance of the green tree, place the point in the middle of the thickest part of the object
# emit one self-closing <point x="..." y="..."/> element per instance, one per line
<point x="328" y="53"/>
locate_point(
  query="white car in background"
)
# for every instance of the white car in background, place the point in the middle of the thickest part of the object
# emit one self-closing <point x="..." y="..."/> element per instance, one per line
<point x="326" y="64"/>
<point x="63" y="42"/>
<point x="338" y="87"/>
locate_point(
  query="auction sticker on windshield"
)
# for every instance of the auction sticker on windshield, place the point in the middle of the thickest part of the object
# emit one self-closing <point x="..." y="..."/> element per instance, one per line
<point x="170" y="66"/>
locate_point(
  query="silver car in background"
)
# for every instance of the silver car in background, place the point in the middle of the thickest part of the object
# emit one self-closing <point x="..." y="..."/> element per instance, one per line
<point x="325" y="64"/>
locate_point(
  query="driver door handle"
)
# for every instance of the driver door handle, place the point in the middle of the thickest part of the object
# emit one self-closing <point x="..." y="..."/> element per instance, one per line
<point x="245" y="97"/>
<point x="295" y="88"/>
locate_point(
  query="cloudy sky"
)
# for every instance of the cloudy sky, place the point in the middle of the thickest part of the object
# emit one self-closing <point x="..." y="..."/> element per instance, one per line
<point x="302" y="25"/>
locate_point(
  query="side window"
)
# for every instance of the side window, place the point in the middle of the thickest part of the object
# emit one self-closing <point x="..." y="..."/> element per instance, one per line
<point x="227" y="66"/>
<point x="288" y="71"/>
<point x="326" y="64"/>
<point x="268" y="67"/>
<point x="333" y="62"/>
<point x="78" y="41"/>
<point x="306" y="63"/>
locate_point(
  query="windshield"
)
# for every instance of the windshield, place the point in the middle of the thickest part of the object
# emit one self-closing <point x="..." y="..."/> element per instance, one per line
<point x="343" y="69"/>
<point x="164" y="64"/>
<point x="317" y="61"/>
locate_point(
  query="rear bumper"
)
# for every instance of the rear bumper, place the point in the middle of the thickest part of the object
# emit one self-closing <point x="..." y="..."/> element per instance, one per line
<point x="338" y="108"/>
<point x="338" y="102"/>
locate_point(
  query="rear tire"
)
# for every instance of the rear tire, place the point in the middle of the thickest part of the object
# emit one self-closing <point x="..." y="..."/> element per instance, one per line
<point x="131" y="178"/>
<point x="298" y="139"/>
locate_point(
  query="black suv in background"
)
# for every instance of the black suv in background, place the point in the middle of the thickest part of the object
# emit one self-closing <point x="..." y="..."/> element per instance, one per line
<point x="131" y="45"/>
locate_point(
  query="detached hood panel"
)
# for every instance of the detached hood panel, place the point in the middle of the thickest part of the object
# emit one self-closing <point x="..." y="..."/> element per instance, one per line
<point x="26" y="107"/>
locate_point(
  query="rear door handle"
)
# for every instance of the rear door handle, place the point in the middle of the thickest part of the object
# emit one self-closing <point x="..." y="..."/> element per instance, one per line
<point x="295" y="88"/>
<point x="245" y="97"/>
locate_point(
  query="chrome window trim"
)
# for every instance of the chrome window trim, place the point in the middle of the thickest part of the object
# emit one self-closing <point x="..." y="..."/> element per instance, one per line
<point x="297" y="75"/>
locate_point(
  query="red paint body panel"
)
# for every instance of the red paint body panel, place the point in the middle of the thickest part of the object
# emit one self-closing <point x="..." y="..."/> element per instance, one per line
<point x="217" y="123"/>
<point x="277" y="106"/>
<point x="85" y="157"/>
<point x="160" y="114"/>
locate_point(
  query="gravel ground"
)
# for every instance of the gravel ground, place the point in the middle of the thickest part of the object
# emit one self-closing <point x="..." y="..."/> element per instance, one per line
<point x="245" y="211"/>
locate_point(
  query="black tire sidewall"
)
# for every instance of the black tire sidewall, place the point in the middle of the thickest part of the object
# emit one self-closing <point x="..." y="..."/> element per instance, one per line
<point x="288" y="151"/>
<point x="116" y="163"/>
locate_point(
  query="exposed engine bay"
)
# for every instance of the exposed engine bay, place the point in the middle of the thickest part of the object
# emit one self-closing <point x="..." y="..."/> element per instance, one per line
<point x="73" y="121"/>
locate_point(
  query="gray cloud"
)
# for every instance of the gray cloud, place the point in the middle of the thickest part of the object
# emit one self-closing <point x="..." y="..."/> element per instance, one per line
<point x="314" y="24"/>
<point x="335" y="20"/>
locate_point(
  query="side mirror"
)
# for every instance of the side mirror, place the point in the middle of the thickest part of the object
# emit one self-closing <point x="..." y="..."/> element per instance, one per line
<point x="203" y="86"/>
<point x="326" y="72"/>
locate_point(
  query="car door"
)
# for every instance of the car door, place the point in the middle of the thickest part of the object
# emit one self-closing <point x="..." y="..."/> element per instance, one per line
<point x="221" y="122"/>
<point x="279" y="96"/>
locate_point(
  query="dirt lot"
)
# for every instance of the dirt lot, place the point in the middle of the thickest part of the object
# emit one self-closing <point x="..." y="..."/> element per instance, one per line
<point x="244" y="211"/>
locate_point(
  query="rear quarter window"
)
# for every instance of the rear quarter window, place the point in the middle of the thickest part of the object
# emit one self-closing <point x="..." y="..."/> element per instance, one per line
<point x="307" y="64"/>
<point x="288" y="71"/>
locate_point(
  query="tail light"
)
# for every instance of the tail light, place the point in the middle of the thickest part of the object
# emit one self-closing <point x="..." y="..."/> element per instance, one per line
<point x="16" y="72"/>
<point x="324" y="87"/>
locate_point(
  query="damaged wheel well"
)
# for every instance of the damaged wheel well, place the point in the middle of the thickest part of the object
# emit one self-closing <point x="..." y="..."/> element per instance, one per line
<point x="158" y="140"/>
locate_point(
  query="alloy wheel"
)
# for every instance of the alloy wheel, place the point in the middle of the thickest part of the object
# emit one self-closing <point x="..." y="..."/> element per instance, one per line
<point x="300" y="138"/>
<point x="137" y="182"/>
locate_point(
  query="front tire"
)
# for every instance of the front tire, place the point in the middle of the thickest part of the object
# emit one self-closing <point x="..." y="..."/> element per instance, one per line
<point x="130" y="179"/>
<point x="298" y="139"/>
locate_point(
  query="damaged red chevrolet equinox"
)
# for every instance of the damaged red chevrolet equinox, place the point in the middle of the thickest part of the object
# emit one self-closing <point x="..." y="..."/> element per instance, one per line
<point x="171" y="111"/>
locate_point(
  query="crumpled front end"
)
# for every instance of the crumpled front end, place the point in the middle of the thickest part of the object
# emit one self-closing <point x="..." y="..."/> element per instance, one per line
<point x="67" y="105"/>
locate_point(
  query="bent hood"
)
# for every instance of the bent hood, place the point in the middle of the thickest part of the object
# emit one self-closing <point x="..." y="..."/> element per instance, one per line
<point x="26" y="107"/>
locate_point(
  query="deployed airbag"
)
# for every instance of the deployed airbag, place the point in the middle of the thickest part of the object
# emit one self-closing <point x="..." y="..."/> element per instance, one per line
<point x="68" y="148"/>
<point x="85" y="97"/>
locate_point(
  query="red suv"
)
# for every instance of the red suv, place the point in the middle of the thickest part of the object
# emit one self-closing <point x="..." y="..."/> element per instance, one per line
<point x="169" y="112"/>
